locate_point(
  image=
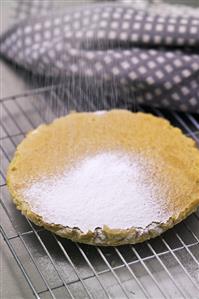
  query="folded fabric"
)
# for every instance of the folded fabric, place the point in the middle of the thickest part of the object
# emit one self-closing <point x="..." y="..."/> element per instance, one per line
<point x="143" y="56"/>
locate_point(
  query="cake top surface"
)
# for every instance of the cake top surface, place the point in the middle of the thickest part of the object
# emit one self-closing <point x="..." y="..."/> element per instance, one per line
<point x="117" y="168"/>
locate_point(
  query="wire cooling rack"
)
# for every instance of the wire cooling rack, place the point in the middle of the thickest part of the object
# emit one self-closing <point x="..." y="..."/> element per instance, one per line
<point x="166" y="267"/>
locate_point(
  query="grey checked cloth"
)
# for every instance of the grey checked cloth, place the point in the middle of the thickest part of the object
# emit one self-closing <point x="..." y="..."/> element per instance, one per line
<point x="139" y="53"/>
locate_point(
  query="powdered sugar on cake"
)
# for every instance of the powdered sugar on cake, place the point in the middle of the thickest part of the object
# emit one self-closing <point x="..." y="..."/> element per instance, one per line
<point x="100" y="112"/>
<point x="109" y="188"/>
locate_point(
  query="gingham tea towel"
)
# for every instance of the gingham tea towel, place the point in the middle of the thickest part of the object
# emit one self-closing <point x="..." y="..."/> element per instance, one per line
<point x="138" y="53"/>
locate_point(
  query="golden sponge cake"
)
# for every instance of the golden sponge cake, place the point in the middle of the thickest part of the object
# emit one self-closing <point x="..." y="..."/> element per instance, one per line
<point x="106" y="178"/>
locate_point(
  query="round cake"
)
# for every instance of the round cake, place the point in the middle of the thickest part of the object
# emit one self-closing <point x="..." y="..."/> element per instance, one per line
<point x="106" y="178"/>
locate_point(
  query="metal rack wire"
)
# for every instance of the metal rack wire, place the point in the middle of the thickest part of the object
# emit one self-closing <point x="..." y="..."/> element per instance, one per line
<point x="166" y="267"/>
